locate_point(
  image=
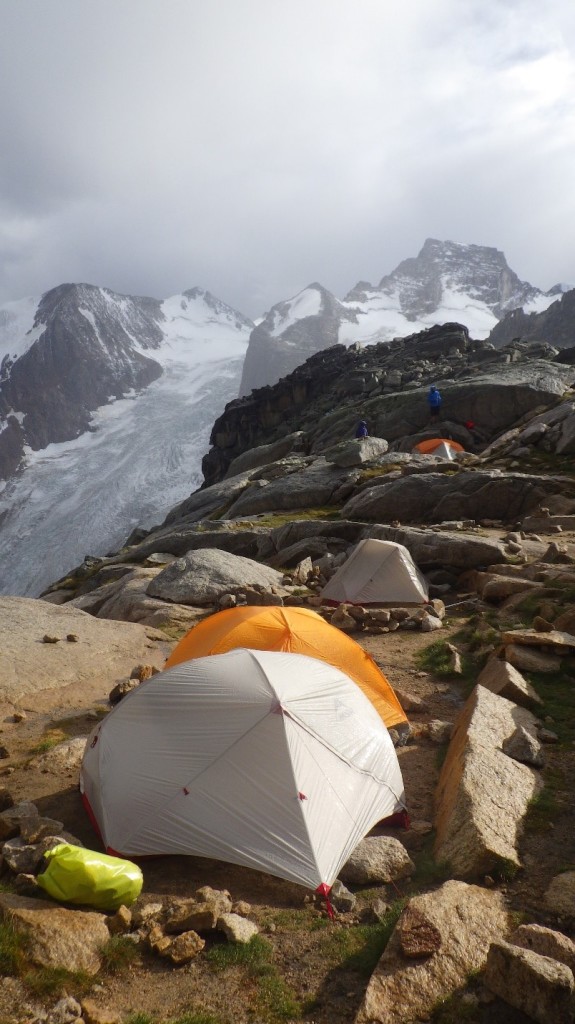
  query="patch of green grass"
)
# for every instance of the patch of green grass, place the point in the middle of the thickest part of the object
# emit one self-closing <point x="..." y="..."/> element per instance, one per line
<point x="194" y="1017"/>
<point x="118" y="954"/>
<point x="281" y="518"/>
<point x="505" y="870"/>
<point x="457" y="1010"/>
<point x="12" y="949"/>
<point x="428" y="870"/>
<point x="375" y="471"/>
<point x="273" y="996"/>
<point x="436" y="659"/>
<point x="52" y="738"/>
<point x="174" y="631"/>
<point x="250" y="954"/>
<point x="359" y="948"/>
<point x="50" y="981"/>
<point x="288" y="920"/>
<point x="557" y="691"/>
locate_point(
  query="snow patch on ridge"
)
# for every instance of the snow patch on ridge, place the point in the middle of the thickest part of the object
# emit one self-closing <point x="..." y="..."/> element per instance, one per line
<point x="17" y="331"/>
<point x="305" y="303"/>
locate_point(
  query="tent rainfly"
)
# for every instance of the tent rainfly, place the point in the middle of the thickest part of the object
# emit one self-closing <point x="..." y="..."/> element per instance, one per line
<point x="299" y="631"/>
<point x="274" y="761"/>
<point x="377" y="572"/>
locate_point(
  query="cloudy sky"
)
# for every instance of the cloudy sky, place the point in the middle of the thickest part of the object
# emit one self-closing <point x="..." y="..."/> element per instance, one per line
<point x="253" y="146"/>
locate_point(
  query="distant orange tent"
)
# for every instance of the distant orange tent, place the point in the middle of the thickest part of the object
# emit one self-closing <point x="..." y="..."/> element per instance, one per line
<point x="297" y="631"/>
<point x="428" y="447"/>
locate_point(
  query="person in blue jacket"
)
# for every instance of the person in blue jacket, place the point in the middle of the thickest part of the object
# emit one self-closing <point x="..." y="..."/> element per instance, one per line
<point x="434" y="402"/>
<point x="361" y="429"/>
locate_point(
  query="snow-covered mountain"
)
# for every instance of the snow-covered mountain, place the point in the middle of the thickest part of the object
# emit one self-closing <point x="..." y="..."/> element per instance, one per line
<point x="106" y="406"/>
<point x="446" y="282"/>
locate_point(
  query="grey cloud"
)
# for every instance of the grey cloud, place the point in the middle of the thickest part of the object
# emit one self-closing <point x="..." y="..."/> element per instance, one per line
<point x="252" y="148"/>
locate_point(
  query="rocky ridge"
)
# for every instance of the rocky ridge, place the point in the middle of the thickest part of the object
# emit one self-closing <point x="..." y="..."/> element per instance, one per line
<point x="494" y="532"/>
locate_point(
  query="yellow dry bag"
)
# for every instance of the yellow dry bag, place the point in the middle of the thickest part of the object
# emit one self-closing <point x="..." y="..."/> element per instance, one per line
<point x="76" y="875"/>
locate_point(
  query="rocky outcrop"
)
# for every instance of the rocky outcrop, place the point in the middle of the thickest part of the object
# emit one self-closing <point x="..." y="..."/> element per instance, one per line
<point x="433" y="497"/>
<point x="541" y="987"/>
<point x="82" y="649"/>
<point x="201" y="577"/>
<point x="554" y="326"/>
<point x="56" y="937"/>
<point x="482" y="794"/>
<point x="386" y="384"/>
<point x="464" y="920"/>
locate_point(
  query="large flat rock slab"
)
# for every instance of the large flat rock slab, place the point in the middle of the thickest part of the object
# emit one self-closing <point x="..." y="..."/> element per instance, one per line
<point x="555" y="639"/>
<point x="57" y="937"/>
<point x="446" y="549"/>
<point x="467" y="494"/>
<point x="482" y="794"/>
<point x="465" y="920"/>
<point x="104" y="651"/>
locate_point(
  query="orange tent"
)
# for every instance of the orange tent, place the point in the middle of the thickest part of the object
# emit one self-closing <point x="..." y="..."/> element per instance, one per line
<point x="429" y="446"/>
<point x="295" y="630"/>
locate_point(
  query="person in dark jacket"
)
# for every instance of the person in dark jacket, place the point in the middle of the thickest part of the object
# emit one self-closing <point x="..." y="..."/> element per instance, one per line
<point x="361" y="429"/>
<point x="434" y="403"/>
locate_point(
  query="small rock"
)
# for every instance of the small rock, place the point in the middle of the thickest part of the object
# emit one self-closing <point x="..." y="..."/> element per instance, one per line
<point x="342" y="899"/>
<point x="430" y="623"/>
<point x="26" y="885"/>
<point x="455" y="666"/>
<point x="237" y="929"/>
<point x="120" y="922"/>
<point x="4" y="752"/>
<point x="142" y="672"/>
<point x="380" y="909"/>
<point x="560" y="895"/>
<point x="547" y="736"/>
<point x="183" y="948"/>
<point x="242" y="908"/>
<point x="377" y="859"/>
<point x="145" y="913"/>
<point x="6" y="799"/>
<point x="94" y="1014"/>
<point x="410" y="702"/>
<point x="514" y="547"/>
<point x="65" y="1011"/>
<point x="72" y="638"/>
<point x="121" y="689"/>
<point x="439" y="732"/>
<point x="19" y="716"/>
<point x="343" y="620"/>
<point x="46" y="639"/>
<point x="541" y="624"/>
<point x="524" y="747"/>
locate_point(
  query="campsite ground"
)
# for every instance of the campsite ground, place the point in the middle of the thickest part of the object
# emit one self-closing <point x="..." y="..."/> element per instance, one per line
<point x="305" y="967"/>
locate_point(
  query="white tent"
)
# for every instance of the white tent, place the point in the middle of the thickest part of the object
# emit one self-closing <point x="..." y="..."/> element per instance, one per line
<point x="445" y="451"/>
<point x="270" y="760"/>
<point x="377" y="572"/>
